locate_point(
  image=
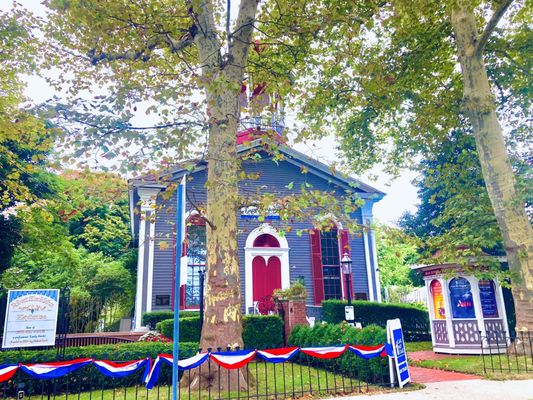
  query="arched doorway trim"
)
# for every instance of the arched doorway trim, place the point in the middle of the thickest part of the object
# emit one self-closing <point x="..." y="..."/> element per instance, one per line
<point x="250" y="252"/>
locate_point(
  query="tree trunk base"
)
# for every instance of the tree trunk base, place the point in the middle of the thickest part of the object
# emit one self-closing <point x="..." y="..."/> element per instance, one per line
<point x="215" y="380"/>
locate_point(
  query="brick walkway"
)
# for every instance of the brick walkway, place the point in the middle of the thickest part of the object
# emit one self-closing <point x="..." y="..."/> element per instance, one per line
<point x="428" y="375"/>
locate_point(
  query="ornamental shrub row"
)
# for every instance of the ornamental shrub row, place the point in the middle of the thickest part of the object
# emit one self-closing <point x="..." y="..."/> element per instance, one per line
<point x="189" y="329"/>
<point x="374" y="370"/>
<point x="415" y="320"/>
<point x="150" y="319"/>
<point x="89" y="377"/>
<point x="259" y="331"/>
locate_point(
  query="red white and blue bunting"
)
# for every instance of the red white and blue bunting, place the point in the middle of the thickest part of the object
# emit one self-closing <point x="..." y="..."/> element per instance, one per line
<point x="226" y="359"/>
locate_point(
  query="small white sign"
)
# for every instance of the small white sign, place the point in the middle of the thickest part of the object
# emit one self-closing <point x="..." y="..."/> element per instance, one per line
<point x="31" y="318"/>
<point x="349" y="314"/>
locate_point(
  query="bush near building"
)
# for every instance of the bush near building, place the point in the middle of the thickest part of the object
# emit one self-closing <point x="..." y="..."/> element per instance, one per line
<point x="374" y="370"/>
<point x="259" y="331"/>
<point x="150" y="319"/>
<point x="89" y="377"/>
<point x="414" y="319"/>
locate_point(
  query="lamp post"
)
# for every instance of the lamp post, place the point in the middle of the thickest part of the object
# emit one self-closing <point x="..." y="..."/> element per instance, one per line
<point x="346" y="266"/>
<point x="201" y="272"/>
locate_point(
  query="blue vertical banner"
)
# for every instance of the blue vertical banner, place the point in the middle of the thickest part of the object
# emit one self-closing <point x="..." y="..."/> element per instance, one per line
<point x="395" y="337"/>
<point x="180" y="237"/>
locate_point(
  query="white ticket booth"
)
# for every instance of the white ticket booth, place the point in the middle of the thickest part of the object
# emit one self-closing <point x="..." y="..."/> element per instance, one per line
<point x="467" y="315"/>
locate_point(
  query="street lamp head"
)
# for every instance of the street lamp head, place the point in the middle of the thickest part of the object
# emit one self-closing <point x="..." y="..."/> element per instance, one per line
<point x="346" y="263"/>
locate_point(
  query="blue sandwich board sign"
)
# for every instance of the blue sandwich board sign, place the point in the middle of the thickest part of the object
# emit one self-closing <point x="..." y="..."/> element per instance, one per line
<point x="399" y="359"/>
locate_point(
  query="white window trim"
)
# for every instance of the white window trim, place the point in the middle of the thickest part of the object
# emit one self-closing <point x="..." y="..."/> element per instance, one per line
<point x="251" y="252"/>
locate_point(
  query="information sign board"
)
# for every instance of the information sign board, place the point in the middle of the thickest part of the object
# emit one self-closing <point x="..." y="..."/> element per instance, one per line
<point x="395" y="337"/>
<point x="349" y="314"/>
<point x="31" y="318"/>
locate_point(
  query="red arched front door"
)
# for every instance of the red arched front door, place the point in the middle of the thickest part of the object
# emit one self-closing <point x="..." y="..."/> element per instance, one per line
<point x="265" y="276"/>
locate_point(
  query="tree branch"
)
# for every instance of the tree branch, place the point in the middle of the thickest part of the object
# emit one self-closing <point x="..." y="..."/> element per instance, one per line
<point x="145" y="53"/>
<point x="496" y="17"/>
<point x="240" y="45"/>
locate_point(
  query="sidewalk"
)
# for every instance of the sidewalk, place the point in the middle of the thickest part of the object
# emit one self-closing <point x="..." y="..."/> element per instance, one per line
<point x="465" y="390"/>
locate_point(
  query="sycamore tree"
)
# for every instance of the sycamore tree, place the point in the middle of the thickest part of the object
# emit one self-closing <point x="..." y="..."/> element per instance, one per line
<point x="183" y="64"/>
<point x="419" y="70"/>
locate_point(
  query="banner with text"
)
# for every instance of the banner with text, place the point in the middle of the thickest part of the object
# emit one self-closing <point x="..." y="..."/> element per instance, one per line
<point x="31" y="318"/>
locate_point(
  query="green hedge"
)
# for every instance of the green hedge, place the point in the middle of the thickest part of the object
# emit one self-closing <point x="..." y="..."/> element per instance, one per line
<point x="150" y="319"/>
<point x="259" y="331"/>
<point x="262" y="331"/>
<point x="89" y="376"/>
<point x="374" y="370"/>
<point x="415" y="320"/>
<point x="189" y="329"/>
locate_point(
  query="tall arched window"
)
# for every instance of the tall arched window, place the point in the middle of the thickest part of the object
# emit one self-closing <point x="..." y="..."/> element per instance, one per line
<point x="327" y="248"/>
<point x="196" y="260"/>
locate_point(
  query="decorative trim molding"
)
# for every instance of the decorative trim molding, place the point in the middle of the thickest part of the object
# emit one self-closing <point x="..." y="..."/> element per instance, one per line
<point x="251" y="252"/>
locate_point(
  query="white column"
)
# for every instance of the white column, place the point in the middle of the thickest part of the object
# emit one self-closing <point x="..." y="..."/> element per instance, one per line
<point x="368" y="268"/>
<point x="146" y="223"/>
<point x="474" y="286"/>
<point x="448" y="310"/>
<point x="431" y="308"/>
<point x="376" y="268"/>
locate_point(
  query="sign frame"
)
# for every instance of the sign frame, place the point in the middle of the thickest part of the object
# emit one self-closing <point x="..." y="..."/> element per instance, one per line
<point x="47" y="311"/>
<point x="399" y="359"/>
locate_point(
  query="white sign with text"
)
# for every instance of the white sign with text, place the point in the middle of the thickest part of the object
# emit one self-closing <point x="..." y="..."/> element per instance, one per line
<point x="31" y="318"/>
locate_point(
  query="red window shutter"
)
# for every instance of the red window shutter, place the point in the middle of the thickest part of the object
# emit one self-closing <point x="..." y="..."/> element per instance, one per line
<point x="344" y="245"/>
<point x="316" y="263"/>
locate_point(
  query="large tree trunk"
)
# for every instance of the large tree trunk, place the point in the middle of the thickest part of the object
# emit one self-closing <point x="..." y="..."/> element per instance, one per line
<point x="223" y="77"/>
<point x="499" y="178"/>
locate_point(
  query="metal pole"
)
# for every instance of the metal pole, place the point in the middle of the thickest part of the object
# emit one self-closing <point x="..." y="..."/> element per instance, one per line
<point x="348" y="294"/>
<point x="179" y="240"/>
<point x="202" y="282"/>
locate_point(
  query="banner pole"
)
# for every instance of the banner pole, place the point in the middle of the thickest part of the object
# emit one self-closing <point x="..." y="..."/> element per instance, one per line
<point x="179" y="241"/>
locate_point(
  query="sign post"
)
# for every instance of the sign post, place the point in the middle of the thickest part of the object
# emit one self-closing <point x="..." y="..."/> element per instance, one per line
<point x="349" y="314"/>
<point x="399" y="359"/>
<point x="31" y="318"/>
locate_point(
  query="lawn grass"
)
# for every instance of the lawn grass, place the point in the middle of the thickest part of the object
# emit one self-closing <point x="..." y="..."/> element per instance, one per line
<point x="269" y="378"/>
<point x="418" y="346"/>
<point x="490" y="367"/>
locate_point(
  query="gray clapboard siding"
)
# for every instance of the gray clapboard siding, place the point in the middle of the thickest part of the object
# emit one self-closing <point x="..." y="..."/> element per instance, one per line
<point x="273" y="177"/>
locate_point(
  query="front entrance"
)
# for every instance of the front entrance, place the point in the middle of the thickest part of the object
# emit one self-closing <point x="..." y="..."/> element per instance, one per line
<point x="266" y="277"/>
<point x="266" y="268"/>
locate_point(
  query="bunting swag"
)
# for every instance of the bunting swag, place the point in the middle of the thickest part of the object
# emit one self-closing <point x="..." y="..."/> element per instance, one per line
<point x="122" y="369"/>
<point x="233" y="359"/>
<point x="226" y="359"/>
<point x="7" y="371"/>
<point x="324" y="352"/>
<point x="278" y="355"/>
<point x="54" y="369"/>
<point x="189" y="363"/>
<point x="368" y="352"/>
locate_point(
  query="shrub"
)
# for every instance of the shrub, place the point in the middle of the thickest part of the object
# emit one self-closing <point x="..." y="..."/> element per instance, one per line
<point x="415" y="320"/>
<point x="262" y="331"/>
<point x="189" y="329"/>
<point x="150" y="319"/>
<point x="259" y="331"/>
<point x="89" y="376"/>
<point x="374" y="370"/>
